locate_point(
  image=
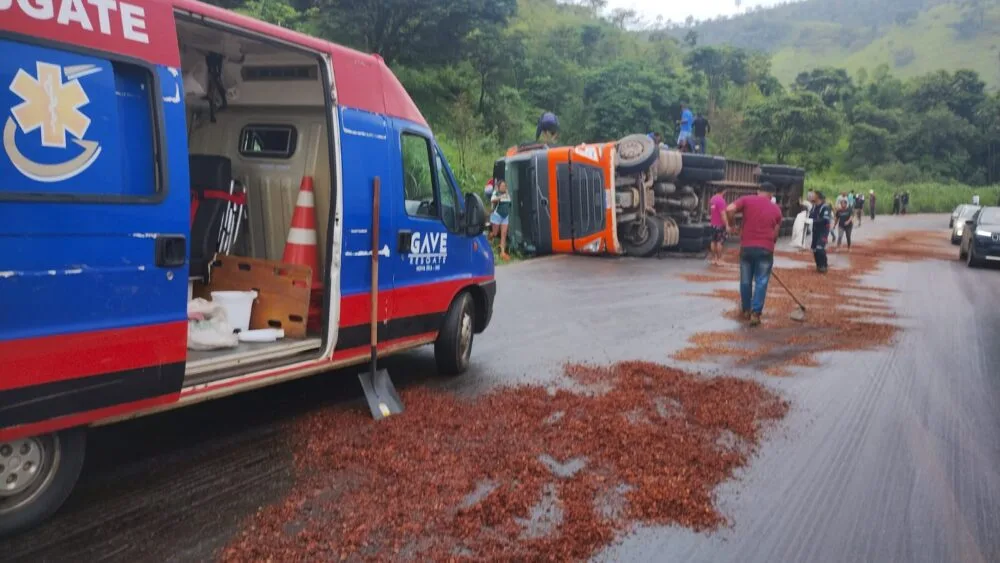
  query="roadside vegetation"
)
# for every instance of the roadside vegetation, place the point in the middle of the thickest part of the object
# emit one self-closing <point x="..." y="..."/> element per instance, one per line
<point x="482" y="72"/>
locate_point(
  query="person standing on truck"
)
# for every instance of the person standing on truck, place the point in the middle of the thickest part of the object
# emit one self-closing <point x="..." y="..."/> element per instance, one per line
<point x="500" y="218"/>
<point x="547" y="129"/>
<point x="701" y="130"/>
<point x="686" y="122"/>
<point x="761" y="226"/>
<point x="720" y="224"/>
<point x="822" y="216"/>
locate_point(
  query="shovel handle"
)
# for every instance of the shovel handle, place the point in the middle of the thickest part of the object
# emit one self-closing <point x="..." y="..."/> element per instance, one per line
<point x="775" y="275"/>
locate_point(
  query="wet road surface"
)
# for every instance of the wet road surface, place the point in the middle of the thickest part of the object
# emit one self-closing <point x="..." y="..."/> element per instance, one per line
<point x="888" y="455"/>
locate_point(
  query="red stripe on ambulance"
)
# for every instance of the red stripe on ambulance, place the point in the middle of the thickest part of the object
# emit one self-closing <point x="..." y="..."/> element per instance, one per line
<point x="35" y="361"/>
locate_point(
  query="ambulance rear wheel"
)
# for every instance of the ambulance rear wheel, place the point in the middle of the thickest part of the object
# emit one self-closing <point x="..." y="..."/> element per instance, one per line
<point x="453" y="347"/>
<point x="37" y="475"/>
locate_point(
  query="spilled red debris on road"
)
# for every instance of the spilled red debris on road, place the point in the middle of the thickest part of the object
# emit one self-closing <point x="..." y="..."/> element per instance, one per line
<point x="523" y="473"/>
<point x="842" y="313"/>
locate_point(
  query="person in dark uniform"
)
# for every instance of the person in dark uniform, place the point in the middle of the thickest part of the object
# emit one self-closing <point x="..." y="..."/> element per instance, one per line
<point x="701" y="128"/>
<point x="822" y="216"/>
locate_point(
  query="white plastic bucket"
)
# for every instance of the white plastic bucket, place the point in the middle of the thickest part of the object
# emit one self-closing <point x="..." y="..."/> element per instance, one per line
<point x="238" y="305"/>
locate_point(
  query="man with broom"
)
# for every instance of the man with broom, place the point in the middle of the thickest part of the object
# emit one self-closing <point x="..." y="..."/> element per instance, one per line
<point x="761" y="226"/>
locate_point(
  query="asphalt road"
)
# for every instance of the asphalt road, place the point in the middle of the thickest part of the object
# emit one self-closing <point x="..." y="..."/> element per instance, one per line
<point x="889" y="455"/>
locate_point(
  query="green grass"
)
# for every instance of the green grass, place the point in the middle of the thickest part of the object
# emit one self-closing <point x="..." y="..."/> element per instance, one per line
<point x="924" y="197"/>
<point x="934" y="43"/>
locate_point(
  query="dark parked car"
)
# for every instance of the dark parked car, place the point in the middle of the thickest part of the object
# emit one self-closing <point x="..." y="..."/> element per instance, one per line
<point x="981" y="237"/>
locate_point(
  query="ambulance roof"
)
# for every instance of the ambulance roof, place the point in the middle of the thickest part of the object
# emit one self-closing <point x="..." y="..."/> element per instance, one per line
<point x="135" y="28"/>
<point x="363" y="81"/>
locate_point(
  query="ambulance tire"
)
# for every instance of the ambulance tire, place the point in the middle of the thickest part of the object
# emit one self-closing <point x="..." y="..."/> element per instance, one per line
<point x="453" y="346"/>
<point x="640" y="153"/>
<point x="61" y="459"/>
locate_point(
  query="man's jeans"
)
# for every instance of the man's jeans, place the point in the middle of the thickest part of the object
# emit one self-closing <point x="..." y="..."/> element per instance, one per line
<point x="755" y="272"/>
<point x="702" y="144"/>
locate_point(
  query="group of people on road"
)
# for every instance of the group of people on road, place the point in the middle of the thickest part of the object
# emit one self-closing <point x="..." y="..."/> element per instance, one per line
<point x="761" y="226"/>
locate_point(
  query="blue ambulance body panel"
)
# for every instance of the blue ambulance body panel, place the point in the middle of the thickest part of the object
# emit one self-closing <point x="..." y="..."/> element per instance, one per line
<point x="77" y="250"/>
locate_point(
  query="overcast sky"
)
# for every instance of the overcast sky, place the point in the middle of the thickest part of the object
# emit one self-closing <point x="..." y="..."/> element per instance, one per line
<point x="678" y="11"/>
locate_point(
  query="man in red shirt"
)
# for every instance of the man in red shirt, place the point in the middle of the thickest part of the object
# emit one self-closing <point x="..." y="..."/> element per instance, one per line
<point x="761" y="225"/>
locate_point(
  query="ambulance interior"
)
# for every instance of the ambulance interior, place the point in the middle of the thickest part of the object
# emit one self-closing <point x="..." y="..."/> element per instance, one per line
<point x="257" y="126"/>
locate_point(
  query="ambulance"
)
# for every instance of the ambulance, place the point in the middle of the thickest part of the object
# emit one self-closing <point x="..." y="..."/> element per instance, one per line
<point x="153" y="149"/>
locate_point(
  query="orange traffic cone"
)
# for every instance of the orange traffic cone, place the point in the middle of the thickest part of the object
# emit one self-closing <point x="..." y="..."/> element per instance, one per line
<point x="300" y="248"/>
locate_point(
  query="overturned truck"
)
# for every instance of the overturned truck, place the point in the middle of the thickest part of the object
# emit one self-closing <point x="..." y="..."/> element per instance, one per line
<point x="627" y="197"/>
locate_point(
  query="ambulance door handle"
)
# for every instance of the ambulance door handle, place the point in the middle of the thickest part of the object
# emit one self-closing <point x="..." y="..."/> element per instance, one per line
<point x="171" y="251"/>
<point x="405" y="240"/>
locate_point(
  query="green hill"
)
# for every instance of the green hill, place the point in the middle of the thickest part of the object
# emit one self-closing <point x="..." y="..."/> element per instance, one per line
<point x="913" y="37"/>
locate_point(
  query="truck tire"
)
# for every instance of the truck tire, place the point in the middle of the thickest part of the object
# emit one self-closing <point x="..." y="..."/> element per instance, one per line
<point x="44" y="471"/>
<point x="706" y="161"/>
<point x="692" y="231"/>
<point x="701" y="174"/>
<point x="643" y="240"/>
<point x="692" y="244"/>
<point x="781" y="179"/>
<point x="635" y="154"/>
<point x="777" y="169"/>
<point x="453" y="346"/>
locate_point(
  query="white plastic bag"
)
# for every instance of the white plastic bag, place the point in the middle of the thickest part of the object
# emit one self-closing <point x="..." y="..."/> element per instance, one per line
<point x="801" y="232"/>
<point x="208" y="327"/>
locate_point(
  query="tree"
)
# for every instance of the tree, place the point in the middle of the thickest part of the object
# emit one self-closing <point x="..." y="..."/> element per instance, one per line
<point x="718" y="66"/>
<point x="416" y="32"/>
<point x="833" y="85"/>
<point x="691" y="38"/>
<point x="869" y="145"/>
<point x="939" y="142"/>
<point x="626" y="97"/>
<point x="795" y="127"/>
<point x="961" y="92"/>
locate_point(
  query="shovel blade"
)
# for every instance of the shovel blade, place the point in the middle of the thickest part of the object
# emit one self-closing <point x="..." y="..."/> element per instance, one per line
<point x="798" y="315"/>
<point x="383" y="400"/>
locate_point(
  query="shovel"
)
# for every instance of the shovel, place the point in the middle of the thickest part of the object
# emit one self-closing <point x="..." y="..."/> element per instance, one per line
<point x="798" y="314"/>
<point x="380" y="393"/>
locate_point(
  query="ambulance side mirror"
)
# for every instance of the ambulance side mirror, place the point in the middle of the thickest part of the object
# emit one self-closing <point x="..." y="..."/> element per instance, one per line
<point x="475" y="215"/>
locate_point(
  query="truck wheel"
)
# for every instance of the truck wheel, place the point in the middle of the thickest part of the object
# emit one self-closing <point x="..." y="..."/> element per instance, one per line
<point x="779" y="170"/>
<point x="704" y="161"/>
<point x="453" y="346"/>
<point x="781" y="180"/>
<point x="702" y="174"/>
<point x="643" y="238"/>
<point x="37" y="475"/>
<point x="635" y="154"/>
